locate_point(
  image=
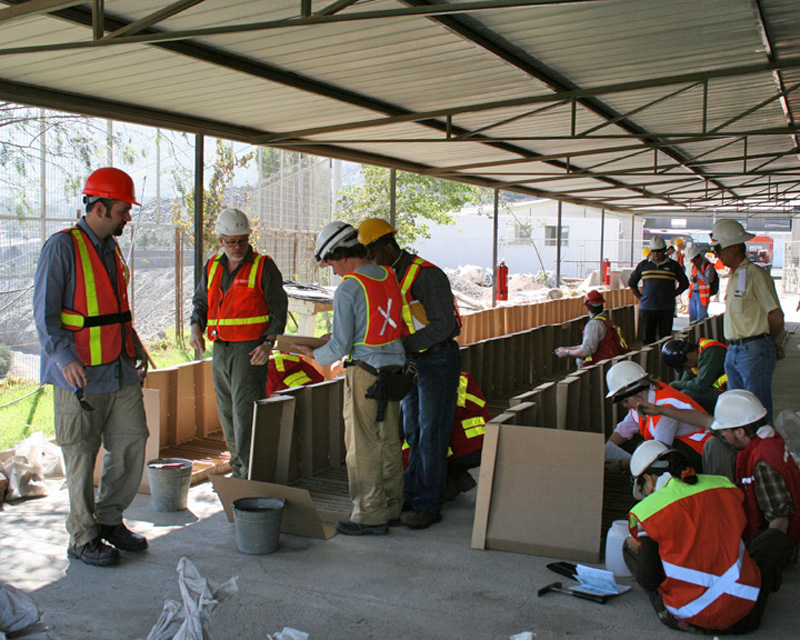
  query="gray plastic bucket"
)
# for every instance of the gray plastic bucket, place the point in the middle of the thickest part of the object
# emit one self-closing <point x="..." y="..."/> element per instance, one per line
<point x="169" y="483"/>
<point x="258" y="524"/>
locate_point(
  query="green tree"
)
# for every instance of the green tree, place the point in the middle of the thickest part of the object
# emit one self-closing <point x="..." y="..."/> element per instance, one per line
<point x="419" y="199"/>
<point x="214" y="196"/>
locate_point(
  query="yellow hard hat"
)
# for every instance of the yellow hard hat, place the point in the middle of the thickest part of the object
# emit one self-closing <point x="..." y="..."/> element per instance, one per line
<point x="372" y="229"/>
<point x="679" y="242"/>
<point x="646" y="252"/>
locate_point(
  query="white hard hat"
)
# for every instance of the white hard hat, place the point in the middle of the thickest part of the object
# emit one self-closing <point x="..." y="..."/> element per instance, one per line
<point x="729" y="232"/>
<point x="623" y="375"/>
<point x="232" y="222"/>
<point x="334" y="235"/>
<point x="737" y="408"/>
<point x="692" y="251"/>
<point x="646" y="455"/>
<point x="657" y="243"/>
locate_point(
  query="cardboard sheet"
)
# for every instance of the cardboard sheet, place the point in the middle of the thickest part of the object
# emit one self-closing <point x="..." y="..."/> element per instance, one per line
<point x="540" y="492"/>
<point x="300" y="517"/>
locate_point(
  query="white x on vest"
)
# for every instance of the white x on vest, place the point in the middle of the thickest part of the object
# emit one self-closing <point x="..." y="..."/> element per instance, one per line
<point x="386" y="318"/>
<point x="716" y="586"/>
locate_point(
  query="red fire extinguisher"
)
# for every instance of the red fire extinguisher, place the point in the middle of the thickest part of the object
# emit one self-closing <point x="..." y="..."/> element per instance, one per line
<point x="606" y="272"/>
<point x="502" y="281"/>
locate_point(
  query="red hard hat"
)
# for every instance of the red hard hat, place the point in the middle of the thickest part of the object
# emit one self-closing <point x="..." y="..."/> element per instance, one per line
<point x="111" y="183"/>
<point x="594" y="297"/>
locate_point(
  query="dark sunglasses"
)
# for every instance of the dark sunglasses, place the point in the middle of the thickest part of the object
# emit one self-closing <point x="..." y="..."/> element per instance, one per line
<point x="81" y="401"/>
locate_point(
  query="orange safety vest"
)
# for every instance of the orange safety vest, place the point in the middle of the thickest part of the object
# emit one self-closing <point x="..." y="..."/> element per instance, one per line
<point x="242" y="312"/>
<point x="413" y="312"/>
<point x="287" y="370"/>
<point x="99" y="317"/>
<point x="384" y="308"/>
<point x="711" y="581"/>
<point x="674" y="398"/>
<point x="703" y="288"/>
<point x="720" y="383"/>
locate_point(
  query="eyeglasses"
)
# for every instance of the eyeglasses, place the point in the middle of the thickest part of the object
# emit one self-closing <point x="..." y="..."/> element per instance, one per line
<point x="84" y="403"/>
<point x="236" y="243"/>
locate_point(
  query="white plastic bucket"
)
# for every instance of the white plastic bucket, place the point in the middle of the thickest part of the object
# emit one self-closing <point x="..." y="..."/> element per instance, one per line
<point x="614" y="540"/>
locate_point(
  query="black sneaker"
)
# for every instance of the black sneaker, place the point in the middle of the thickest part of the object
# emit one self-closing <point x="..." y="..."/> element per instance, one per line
<point x="94" y="552"/>
<point x="350" y="528"/>
<point x="122" y="538"/>
<point x="418" y="519"/>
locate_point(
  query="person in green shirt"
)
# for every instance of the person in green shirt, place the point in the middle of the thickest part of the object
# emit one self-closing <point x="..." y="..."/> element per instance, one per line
<point x="701" y="367"/>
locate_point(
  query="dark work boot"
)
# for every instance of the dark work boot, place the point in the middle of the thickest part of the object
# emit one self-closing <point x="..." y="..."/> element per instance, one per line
<point x="94" y="552"/>
<point x="122" y="538"/>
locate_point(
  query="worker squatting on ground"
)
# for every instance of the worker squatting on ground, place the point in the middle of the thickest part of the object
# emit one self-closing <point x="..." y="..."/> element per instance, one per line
<point x="602" y="339"/>
<point x="367" y="325"/>
<point x="753" y="319"/>
<point x="241" y="304"/>
<point x="686" y="549"/>
<point x="701" y="283"/>
<point x="662" y="280"/>
<point x="96" y="363"/>
<point x="428" y="410"/>
<point x="701" y="367"/>
<point x="763" y="469"/>
<point x="629" y="384"/>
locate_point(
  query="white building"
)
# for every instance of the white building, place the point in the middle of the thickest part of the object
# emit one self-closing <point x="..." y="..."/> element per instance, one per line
<point x="527" y="239"/>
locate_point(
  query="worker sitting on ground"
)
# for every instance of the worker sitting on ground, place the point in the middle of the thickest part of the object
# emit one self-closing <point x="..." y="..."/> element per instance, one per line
<point x="763" y="469"/>
<point x="686" y="547"/>
<point x="288" y="370"/>
<point x="701" y="367"/>
<point x="602" y="339"/>
<point x="629" y="384"/>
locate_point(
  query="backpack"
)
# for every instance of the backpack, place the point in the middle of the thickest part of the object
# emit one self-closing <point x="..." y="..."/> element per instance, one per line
<point x="714" y="284"/>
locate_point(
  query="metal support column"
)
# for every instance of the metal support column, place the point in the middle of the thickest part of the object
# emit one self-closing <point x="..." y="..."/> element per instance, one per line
<point x="393" y="197"/>
<point x="198" y="207"/>
<point x="495" y="224"/>
<point x="602" y="237"/>
<point x="558" y="247"/>
<point x="633" y="232"/>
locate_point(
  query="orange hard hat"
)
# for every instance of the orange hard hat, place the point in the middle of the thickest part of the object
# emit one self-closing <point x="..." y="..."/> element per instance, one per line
<point x="594" y="297"/>
<point x="111" y="183"/>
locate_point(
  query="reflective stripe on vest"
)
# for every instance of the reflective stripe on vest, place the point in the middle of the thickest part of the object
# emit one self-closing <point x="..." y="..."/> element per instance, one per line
<point x="279" y="358"/>
<point x="704" y="343"/>
<point x="297" y="379"/>
<point x="463" y="396"/>
<point x="715" y="586"/>
<point x="100" y="324"/>
<point x="474" y="427"/>
<point x="417" y="321"/>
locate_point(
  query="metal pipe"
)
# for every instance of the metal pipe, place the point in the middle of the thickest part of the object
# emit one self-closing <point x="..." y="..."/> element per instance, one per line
<point x="198" y="207"/>
<point x="494" y="245"/>
<point x="393" y="197"/>
<point x="558" y="246"/>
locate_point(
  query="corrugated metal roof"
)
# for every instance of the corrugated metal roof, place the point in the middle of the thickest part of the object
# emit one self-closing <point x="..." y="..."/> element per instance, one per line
<point x="697" y="126"/>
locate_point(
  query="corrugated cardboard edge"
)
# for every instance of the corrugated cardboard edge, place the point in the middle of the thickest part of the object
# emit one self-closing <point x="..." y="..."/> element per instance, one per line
<point x="485" y="481"/>
<point x="300" y="517"/>
<point x="286" y="342"/>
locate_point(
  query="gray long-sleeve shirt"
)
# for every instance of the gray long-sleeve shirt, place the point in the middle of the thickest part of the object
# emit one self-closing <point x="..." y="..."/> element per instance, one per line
<point x="350" y="317"/>
<point x="432" y="288"/>
<point x="54" y="289"/>
<point x="271" y="285"/>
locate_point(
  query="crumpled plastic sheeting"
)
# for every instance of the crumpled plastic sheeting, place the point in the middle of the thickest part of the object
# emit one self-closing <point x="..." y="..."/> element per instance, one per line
<point x="788" y="425"/>
<point x="20" y="616"/>
<point x="525" y="635"/>
<point x="34" y="458"/>
<point x="200" y="597"/>
<point x="288" y="634"/>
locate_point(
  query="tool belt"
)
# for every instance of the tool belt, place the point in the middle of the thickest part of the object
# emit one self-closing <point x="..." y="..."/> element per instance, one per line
<point x="392" y="384"/>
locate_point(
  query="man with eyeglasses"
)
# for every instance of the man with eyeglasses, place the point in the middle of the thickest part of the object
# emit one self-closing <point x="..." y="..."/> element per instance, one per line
<point x="241" y="305"/>
<point x="95" y="362"/>
<point x="753" y="319"/>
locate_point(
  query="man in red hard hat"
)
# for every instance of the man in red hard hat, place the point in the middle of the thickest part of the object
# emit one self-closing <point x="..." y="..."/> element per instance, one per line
<point x="602" y="339"/>
<point x="96" y="363"/>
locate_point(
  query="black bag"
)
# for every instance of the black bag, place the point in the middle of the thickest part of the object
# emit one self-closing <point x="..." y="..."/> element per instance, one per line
<point x="714" y="284"/>
<point x="393" y="384"/>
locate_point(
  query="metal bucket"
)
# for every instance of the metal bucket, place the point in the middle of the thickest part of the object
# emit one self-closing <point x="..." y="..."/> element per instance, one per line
<point x="169" y="483"/>
<point x="258" y="524"/>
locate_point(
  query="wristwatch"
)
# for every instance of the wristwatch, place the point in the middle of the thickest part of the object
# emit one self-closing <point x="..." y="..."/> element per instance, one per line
<point x="270" y="342"/>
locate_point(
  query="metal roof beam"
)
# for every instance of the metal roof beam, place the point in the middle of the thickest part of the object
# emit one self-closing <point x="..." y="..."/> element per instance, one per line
<point x="154" y="18"/>
<point x="35" y="8"/>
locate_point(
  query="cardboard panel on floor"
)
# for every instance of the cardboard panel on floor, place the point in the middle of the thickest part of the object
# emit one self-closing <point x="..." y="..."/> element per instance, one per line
<point x="562" y="517"/>
<point x="299" y="518"/>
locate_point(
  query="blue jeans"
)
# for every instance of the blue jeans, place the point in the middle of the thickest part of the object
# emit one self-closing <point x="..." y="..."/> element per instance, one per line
<point x="749" y="366"/>
<point x="697" y="311"/>
<point x="427" y="417"/>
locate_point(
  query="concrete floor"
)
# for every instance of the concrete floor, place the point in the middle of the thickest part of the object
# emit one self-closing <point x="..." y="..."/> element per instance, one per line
<point x="416" y="585"/>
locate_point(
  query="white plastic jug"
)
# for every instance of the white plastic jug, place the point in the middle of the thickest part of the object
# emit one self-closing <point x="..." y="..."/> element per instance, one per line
<point x="614" y="540"/>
